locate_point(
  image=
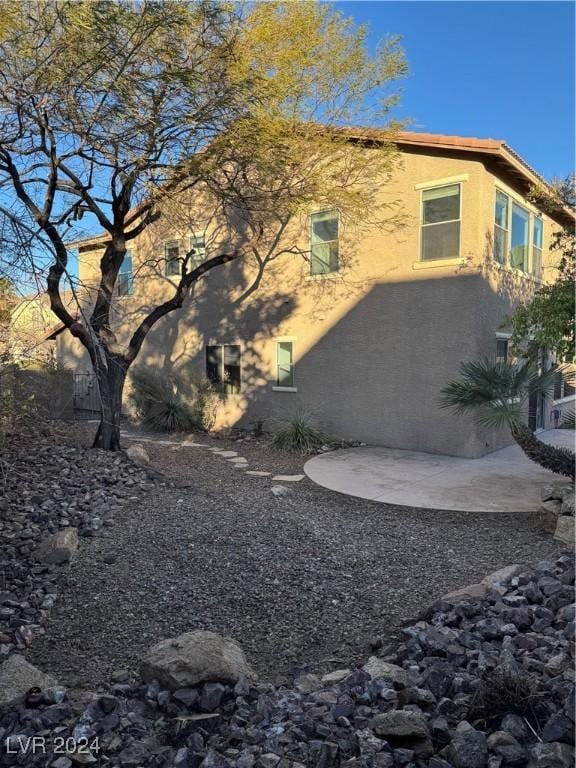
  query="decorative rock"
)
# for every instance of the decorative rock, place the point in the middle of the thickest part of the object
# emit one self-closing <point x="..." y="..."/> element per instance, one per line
<point x="138" y="454"/>
<point x="555" y="755"/>
<point x="378" y="669"/>
<point x="257" y="473"/>
<point x="336" y="676"/>
<point x="400" y="724"/>
<point x="565" y="530"/>
<point x="503" y="575"/>
<point x="288" y="478"/>
<point x="471" y="591"/>
<point x="58" y="548"/>
<point x="193" y="658"/>
<point x="279" y="490"/>
<point x="17" y="676"/>
<point x="468" y="748"/>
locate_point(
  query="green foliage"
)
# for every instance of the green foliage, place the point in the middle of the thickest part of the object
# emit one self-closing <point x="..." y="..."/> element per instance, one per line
<point x="495" y="392"/>
<point x="548" y="320"/>
<point x="172" y="402"/>
<point x="298" y="433"/>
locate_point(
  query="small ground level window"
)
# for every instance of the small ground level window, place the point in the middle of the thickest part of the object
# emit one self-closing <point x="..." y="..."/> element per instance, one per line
<point x="564" y="382"/>
<point x="501" y="350"/>
<point x="285" y="364"/>
<point x="223" y="367"/>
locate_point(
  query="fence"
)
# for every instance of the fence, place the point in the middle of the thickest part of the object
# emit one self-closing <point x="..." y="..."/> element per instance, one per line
<point x="86" y="398"/>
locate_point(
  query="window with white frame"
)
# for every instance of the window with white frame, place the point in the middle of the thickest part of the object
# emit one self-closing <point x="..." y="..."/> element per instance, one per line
<point x="324" y="242"/>
<point x="172" y="258"/>
<point x="223" y="367"/>
<point x="285" y="364"/>
<point x="440" y="224"/>
<point x="518" y="236"/>
<point x="198" y="245"/>
<point x="501" y="228"/>
<point x="125" y="281"/>
<point x="537" y="240"/>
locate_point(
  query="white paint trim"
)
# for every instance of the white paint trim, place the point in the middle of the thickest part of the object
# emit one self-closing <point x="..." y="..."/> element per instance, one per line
<point x="502" y="335"/>
<point x="434" y="263"/>
<point x="276" y="388"/>
<point x="442" y="182"/>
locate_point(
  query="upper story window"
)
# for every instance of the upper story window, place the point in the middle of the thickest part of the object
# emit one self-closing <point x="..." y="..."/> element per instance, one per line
<point x="125" y="281"/>
<point x="537" y="241"/>
<point x="501" y="228"/>
<point x="198" y="245"/>
<point x="324" y="246"/>
<point x="518" y="236"/>
<point x="223" y="367"/>
<point x="172" y="258"/>
<point x="440" y="227"/>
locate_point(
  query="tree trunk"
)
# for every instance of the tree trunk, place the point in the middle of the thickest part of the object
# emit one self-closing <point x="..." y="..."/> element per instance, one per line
<point x="558" y="460"/>
<point x="111" y="386"/>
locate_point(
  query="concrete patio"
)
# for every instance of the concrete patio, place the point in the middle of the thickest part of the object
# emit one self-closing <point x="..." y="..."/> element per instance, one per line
<point x="503" y="481"/>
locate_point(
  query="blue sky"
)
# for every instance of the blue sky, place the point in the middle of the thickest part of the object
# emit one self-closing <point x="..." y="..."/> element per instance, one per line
<point x="496" y="69"/>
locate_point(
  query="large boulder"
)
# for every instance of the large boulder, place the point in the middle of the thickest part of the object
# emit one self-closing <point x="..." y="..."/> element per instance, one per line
<point x="565" y="531"/>
<point x="17" y="676"/>
<point x="58" y="548"/>
<point x="193" y="658"/>
<point x="138" y="454"/>
<point x="378" y="669"/>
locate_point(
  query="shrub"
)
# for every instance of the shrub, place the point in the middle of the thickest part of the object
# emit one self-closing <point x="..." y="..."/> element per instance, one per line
<point x="159" y="402"/>
<point x="569" y="420"/>
<point x="502" y="691"/>
<point x="297" y="433"/>
<point x="173" y="402"/>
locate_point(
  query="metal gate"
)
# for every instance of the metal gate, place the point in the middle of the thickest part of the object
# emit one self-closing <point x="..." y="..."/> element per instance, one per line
<point x="86" y="395"/>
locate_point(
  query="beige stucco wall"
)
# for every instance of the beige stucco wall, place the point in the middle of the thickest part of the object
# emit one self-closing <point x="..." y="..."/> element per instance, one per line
<point x="374" y="344"/>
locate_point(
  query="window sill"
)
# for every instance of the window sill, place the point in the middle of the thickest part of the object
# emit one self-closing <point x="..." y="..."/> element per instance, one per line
<point x="284" y="389"/>
<point x="568" y="399"/>
<point x="325" y="276"/>
<point x="517" y="272"/>
<point x="435" y="263"/>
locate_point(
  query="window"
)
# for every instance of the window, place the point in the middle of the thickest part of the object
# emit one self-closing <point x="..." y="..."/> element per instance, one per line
<point x="563" y="384"/>
<point x="172" y="257"/>
<point x="501" y="228"/>
<point x="125" y="282"/>
<point x="537" y="239"/>
<point x="284" y="364"/>
<point x="501" y="350"/>
<point x="519" y="239"/>
<point x="324" y="250"/>
<point x="440" y="223"/>
<point x="198" y="245"/>
<point x="223" y="367"/>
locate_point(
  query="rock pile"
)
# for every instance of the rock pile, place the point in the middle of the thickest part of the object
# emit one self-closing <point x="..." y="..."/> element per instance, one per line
<point x="50" y="495"/>
<point x="484" y="679"/>
<point x="557" y="511"/>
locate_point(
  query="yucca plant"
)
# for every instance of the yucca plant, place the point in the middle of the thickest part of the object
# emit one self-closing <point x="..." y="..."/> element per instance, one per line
<point x="160" y="403"/>
<point x="496" y="394"/>
<point x="298" y="433"/>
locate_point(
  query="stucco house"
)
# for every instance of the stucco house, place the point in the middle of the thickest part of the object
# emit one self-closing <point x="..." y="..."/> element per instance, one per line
<point x="367" y="329"/>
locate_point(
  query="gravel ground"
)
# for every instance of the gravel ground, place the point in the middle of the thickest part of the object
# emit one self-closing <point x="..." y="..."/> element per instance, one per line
<point x="302" y="581"/>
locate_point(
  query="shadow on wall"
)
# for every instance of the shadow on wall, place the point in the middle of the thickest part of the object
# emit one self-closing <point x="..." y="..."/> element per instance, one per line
<point x="371" y="374"/>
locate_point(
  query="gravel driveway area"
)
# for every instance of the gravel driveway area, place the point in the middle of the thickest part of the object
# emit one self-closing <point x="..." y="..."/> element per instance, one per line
<point x="304" y="580"/>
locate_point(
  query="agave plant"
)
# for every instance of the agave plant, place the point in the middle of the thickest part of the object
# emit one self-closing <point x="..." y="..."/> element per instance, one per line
<point x="496" y="394"/>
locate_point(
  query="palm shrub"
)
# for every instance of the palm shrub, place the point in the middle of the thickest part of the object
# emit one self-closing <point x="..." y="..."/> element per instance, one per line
<point x="298" y="433"/>
<point x="569" y="420"/>
<point x="496" y="394"/>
